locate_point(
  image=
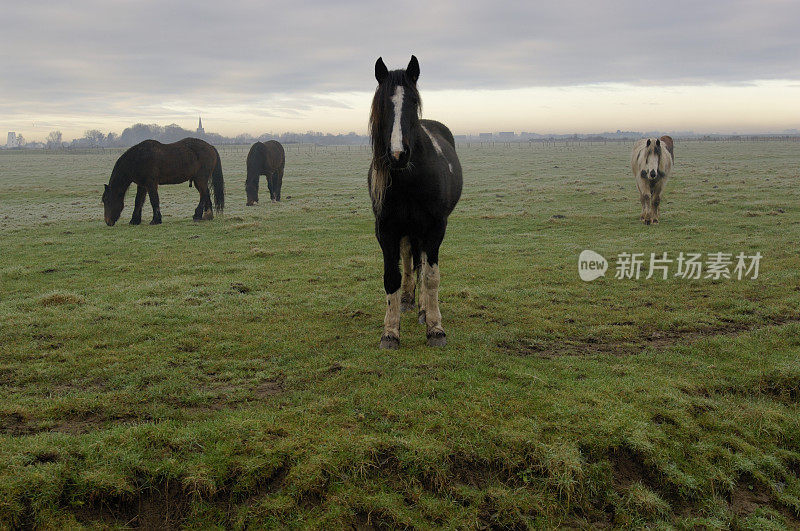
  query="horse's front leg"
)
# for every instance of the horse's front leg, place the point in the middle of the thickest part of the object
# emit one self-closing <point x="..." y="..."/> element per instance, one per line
<point x="390" y="339"/>
<point x="152" y="190"/>
<point x="251" y="187"/>
<point x="430" y="281"/>
<point x="408" y="284"/>
<point x="141" y="193"/>
<point x="644" y="197"/>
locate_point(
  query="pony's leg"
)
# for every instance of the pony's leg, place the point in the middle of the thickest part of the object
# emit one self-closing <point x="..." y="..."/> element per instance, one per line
<point x="408" y="282"/>
<point x="391" y="283"/>
<point x="644" y="197"/>
<point x="152" y="190"/>
<point x="655" y="201"/>
<point x="431" y="279"/>
<point x="141" y="193"/>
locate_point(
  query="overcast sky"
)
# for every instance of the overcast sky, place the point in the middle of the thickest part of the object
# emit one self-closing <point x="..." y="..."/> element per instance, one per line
<point x="263" y="66"/>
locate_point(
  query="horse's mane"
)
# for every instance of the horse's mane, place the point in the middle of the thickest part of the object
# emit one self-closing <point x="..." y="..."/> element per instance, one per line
<point x="119" y="182"/>
<point x="380" y="179"/>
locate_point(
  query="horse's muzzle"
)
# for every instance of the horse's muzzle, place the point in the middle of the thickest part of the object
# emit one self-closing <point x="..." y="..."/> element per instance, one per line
<point x="399" y="159"/>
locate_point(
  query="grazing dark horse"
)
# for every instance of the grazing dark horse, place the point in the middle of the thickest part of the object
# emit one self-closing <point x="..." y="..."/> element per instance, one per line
<point x="151" y="163"/>
<point x="265" y="158"/>
<point x="414" y="183"/>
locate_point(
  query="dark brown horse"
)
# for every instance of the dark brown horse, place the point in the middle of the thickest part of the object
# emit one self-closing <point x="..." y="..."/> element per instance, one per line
<point x="151" y="163"/>
<point x="265" y="158"/>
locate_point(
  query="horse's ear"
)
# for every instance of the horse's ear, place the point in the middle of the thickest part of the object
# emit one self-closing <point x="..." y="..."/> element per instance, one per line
<point x="106" y="187"/>
<point x="412" y="71"/>
<point x="658" y="142"/>
<point x="381" y="72"/>
<point x="648" y="142"/>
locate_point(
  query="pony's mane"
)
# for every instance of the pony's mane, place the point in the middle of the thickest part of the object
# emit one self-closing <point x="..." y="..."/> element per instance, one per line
<point x="379" y="119"/>
<point x="654" y="148"/>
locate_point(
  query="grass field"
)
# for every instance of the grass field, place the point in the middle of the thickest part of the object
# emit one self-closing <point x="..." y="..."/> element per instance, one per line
<point x="227" y="374"/>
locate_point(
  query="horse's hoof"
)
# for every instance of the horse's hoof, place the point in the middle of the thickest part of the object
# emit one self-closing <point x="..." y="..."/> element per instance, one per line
<point x="647" y="222"/>
<point x="437" y="339"/>
<point x="421" y="317"/>
<point x="252" y="203"/>
<point x="390" y="343"/>
<point x="655" y="221"/>
<point x="208" y="215"/>
<point x="155" y="222"/>
<point x="136" y="221"/>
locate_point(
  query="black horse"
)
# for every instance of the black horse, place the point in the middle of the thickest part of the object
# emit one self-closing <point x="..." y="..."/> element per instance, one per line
<point x="414" y="183"/>
<point x="151" y="163"/>
<point x="265" y="158"/>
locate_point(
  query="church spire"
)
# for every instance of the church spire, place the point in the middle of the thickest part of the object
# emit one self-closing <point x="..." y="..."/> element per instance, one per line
<point x="200" y="129"/>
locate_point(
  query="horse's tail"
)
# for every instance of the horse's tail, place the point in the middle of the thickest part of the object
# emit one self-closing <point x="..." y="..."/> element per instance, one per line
<point x="218" y="185"/>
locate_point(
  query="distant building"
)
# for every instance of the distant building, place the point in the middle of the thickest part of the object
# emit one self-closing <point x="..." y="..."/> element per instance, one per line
<point x="12" y="141"/>
<point x="200" y="130"/>
<point x="506" y="135"/>
<point x="485" y="136"/>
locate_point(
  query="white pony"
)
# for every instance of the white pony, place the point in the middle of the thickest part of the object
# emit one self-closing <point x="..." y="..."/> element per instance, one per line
<point x="651" y="163"/>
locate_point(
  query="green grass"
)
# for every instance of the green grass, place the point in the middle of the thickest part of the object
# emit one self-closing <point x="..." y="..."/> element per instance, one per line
<point x="227" y="374"/>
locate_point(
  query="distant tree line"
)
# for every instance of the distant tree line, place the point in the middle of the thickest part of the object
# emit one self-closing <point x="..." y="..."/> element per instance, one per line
<point x="134" y="134"/>
<point x="173" y="132"/>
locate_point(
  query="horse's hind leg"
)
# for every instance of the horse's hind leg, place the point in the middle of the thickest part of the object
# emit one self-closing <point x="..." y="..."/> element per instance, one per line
<point x="271" y="185"/>
<point x="141" y="193"/>
<point x="202" y="189"/>
<point x="152" y="190"/>
<point x="205" y="201"/>
<point x="391" y="283"/>
<point x="408" y="283"/>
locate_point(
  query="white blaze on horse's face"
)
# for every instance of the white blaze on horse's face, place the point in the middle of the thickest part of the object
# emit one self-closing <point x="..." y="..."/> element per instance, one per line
<point x="397" y="129"/>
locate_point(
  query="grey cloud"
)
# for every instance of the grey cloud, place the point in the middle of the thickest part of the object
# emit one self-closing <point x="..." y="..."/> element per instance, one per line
<point x="95" y="55"/>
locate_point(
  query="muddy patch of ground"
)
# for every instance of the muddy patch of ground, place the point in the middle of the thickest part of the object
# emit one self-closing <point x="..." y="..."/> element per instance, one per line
<point x="648" y="339"/>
